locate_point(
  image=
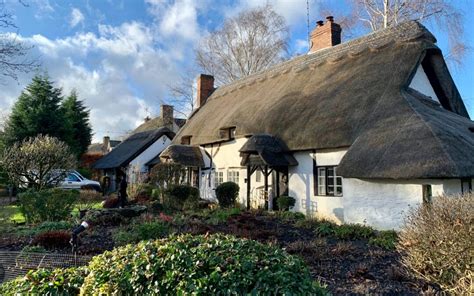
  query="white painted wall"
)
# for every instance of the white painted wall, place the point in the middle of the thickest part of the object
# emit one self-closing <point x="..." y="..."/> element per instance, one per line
<point x="384" y="203"/>
<point x="225" y="157"/>
<point x="156" y="148"/>
<point x="301" y="185"/>
<point x="421" y="83"/>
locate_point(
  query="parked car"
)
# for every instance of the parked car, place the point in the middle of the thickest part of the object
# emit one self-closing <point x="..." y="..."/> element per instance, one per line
<point x="74" y="180"/>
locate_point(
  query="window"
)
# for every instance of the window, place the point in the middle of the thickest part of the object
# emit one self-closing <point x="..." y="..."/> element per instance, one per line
<point x="233" y="176"/>
<point x="72" y="178"/>
<point x="186" y="140"/>
<point x="328" y="182"/>
<point x="466" y="185"/>
<point x="219" y="178"/>
<point x="258" y="176"/>
<point x="427" y="194"/>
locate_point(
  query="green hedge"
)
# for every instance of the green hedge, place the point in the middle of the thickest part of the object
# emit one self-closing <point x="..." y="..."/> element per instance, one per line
<point x="46" y="282"/>
<point x="47" y="205"/>
<point x="285" y="202"/>
<point x="199" y="265"/>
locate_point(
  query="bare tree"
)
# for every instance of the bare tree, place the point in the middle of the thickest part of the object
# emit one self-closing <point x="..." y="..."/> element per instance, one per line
<point x="183" y="93"/>
<point x="250" y="42"/>
<point x="378" y="14"/>
<point x="13" y="52"/>
<point x="38" y="162"/>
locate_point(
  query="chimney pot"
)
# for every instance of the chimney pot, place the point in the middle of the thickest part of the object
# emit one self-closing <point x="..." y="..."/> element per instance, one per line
<point x="205" y="87"/>
<point x="324" y="36"/>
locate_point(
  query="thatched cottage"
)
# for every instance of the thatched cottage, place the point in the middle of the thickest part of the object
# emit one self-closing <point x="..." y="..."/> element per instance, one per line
<point x="141" y="149"/>
<point x="357" y="132"/>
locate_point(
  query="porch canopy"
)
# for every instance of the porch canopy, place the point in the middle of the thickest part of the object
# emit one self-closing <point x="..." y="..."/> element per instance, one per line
<point x="266" y="153"/>
<point x="188" y="156"/>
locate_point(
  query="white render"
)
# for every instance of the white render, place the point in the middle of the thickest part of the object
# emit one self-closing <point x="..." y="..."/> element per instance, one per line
<point x="378" y="203"/>
<point x="384" y="203"/>
<point x="421" y="83"/>
<point x="138" y="164"/>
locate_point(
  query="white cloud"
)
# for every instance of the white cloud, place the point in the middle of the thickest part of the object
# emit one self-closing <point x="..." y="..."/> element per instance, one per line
<point x="76" y="18"/>
<point x="178" y="19"/>
<point x="118" y="72"/>
<point x="43" y="9"/>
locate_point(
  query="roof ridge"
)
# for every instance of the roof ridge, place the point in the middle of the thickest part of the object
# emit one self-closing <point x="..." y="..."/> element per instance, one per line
<point x="404" y="32"/>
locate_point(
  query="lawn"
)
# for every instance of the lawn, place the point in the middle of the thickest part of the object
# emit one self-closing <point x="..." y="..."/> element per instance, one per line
<point x="11" y="213"/>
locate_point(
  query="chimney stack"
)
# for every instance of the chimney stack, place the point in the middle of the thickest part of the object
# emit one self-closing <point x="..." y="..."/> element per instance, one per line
<point x="167" y="116"/>
<point x="325" y="34"/>
<point x="106" y="144"/>
<point x="205" y="87"/>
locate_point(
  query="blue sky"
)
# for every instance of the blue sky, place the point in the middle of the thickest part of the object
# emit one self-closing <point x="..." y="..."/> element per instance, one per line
<point x="121" y="56"/>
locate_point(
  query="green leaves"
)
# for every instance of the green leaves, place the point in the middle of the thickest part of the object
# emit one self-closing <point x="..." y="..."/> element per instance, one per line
<point x="199" y="265"/>
<point x="40" y="109"/>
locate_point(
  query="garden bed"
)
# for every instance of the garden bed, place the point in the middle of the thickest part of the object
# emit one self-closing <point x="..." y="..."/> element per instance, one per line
<point x="348" y="261"/>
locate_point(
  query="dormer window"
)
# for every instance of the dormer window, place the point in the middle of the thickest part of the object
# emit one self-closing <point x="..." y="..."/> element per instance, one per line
<point x="227" y="133"/>
<point x="186" y="140"/>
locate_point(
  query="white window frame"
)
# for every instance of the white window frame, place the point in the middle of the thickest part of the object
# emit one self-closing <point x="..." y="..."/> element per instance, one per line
<point x="328" y="183"/>
<point x="233" y="176"/>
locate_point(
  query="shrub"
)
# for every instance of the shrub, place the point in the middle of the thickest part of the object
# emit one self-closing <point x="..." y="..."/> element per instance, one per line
<point x="141" y="231"/>
<point x="290" y="217"/>
<point x="436" y="241"/>
<point x="85" y="172"/>
<point x="385" y="239"/>
<point x="47" y="205"/>
<point x="177" y="195"/>
<point x="46" y="282"/>
<point x="285" y="202"/>
<point x="55" y="239"/>
<point x="199" y="265"/>
<point x="219" y="216"/>
<point x="353" y="231"/>
<point x="51" y="225"/>
<point x="325" y="228"/>
<point x="227" y="194"/>
<point x="111" y="202"/>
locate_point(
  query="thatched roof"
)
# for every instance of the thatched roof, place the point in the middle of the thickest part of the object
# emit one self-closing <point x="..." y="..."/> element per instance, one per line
<point x="190" y="156"/>
<point x="353" y="95"/>
<point x="156" y="123"/>
<point x="130" y="148"/>
<point x="268" y="150"/>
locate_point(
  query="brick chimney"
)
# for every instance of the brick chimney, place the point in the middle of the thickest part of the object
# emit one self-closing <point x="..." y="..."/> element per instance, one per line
<point x="205" y="87"/>
<point x="167" y="116"/>
<point x="106" y="144"/>
<point x="325" y="34"/>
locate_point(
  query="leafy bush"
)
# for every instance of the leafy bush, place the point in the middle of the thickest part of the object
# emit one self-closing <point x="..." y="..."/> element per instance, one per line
<point x="219" y="216"/>
<point x="85" y="172"/>
<point x="385" y="239"/>
<point x="353" y="231"/>
<point x="325" y="228"/>
<point x="55" y="239"/>
<point x="47" y="205"/>
<point x="436" y="241"/>
<point x="285" y="202"/>
<point x="290" y="217"/>
<point x="141" y="231"/>
<point x="199" y="265"/>
<point x="227" y="194"/>
<point x="46" y="282"/>
<point x="51" y="225"/>
<point x="177" y="195"/>
<point x="111" y="202"/>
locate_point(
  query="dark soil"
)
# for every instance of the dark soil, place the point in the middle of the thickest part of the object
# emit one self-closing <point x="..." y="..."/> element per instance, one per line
<point x="347" y="267"/>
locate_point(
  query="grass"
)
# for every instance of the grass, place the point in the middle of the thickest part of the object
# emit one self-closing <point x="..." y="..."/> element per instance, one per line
<point x="11" y="213"/>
